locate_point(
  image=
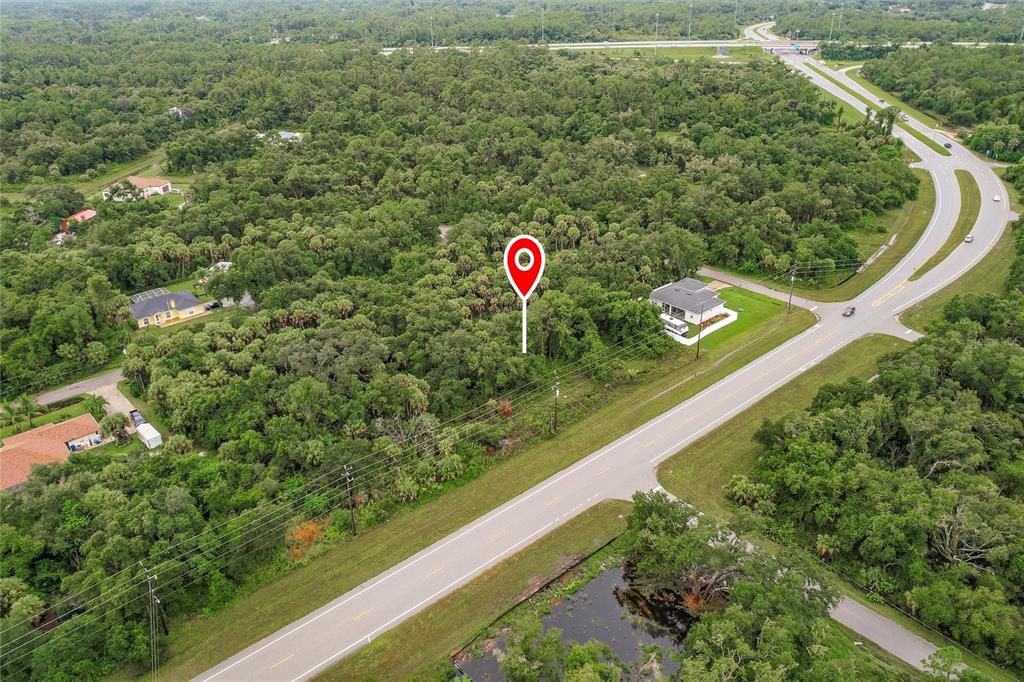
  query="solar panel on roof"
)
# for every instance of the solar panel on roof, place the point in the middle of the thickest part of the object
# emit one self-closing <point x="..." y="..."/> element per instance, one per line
<point x="147" y="295"/>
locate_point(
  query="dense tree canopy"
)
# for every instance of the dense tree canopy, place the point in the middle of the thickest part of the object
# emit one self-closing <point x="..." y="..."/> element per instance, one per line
<point x="914" y="483"/>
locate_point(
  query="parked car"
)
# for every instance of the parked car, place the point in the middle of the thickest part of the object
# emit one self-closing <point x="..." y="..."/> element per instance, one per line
<point x="969" y="238"/>
<point x="137" y="417"/>
<point x="948" y="145"/>
<point x="211" y="305"/>
<point x="997" y="198"/>
<point x="849" y="311"/>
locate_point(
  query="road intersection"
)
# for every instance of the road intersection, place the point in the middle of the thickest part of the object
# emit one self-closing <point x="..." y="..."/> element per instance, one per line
<point x="312" y="644"/>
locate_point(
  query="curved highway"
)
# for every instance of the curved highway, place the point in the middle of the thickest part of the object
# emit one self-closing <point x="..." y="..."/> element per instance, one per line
<point x="309" y="646"/>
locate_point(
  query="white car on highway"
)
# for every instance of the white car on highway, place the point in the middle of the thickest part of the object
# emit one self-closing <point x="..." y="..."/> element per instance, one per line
<point x="997" y="198"/>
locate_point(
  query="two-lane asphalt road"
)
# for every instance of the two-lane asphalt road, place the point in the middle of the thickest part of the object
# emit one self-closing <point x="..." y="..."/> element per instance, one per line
<point x="310" y="645"/>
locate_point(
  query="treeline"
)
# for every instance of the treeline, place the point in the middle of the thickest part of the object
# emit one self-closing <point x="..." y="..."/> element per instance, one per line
<point x="962" y="85"/>
<point x="881" y="21"/>
<point x="913" y="483"/>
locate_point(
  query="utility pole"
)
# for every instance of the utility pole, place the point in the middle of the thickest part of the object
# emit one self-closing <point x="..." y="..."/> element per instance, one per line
<point x="154" y="603"/>
<point x="656" y="15"/>
<point x="792" y="282"/>
<point x="736" y="13"/>
<point x="542" y="39"/>
<point x="431" y="31"/>
<point x="831" y="26"/>
<point x="689" y="27"/>
<point x="555" y="393"/>
<point x="351" y="502"/>
<point x="700" y="329"/>
<point x="1021" y="36"/>
<point x="840" y="26"/>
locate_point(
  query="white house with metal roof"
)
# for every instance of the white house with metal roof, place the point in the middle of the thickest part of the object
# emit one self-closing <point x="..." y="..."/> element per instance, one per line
<point x="688" y="301"/>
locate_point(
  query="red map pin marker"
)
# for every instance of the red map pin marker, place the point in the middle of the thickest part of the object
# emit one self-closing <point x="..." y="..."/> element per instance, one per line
<point x="524" y="265"/>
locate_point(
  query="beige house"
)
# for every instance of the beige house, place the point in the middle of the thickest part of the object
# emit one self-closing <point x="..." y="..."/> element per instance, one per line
<point x="159" y="308"/>
<point x="135" y="187"/>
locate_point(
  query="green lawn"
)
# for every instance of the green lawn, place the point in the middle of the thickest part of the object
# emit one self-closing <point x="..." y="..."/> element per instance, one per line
<point x="195" y="646"/>
<point x="970" y="205"/>
<point x="907" y="223"/>
<point x="698" y="473"/>
<point x="60" y="415"/>
<point x="423" y="643"/>
<point x="935" y="146"/>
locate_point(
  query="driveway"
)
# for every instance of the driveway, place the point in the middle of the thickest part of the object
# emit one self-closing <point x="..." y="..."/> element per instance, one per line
<point x="79" y="387"/>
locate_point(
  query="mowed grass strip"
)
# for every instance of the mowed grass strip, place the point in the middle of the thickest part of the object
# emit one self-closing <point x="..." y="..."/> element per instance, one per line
<point x="698" y="473"/>
<point x="970" y="206"/>
<point x="935" y="146"/>
<point x="275" y="601"/>
<point x="422" y="644"/>
<point x="987" y="277"/>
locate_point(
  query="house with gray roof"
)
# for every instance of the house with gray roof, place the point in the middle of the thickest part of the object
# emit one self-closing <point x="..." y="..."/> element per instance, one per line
<point x="686" y="301"/>
<point x="160" y="307"/>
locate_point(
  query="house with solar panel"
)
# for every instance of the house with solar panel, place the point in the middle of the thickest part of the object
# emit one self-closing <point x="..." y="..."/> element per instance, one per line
<point x="160" y="307"/>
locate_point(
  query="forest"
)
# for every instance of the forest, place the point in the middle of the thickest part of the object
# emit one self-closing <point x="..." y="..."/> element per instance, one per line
<point x="913" y="484"/>
<point x="373" y="332"/>
<point x="980" y="89"/>
<point x="880" y="21"/>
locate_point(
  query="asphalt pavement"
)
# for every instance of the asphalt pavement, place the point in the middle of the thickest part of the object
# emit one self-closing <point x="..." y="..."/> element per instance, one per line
<point x="310" y="645"/>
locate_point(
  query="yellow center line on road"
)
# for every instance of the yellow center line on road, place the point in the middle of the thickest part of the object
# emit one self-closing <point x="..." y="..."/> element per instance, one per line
<point x="552" y="501"/>
<point x="283" y="660"/>
<point x="889" y="295"/>
<point x="363" y="613"/>
<point x="496" y="535"/>
<point x="604" y="471"/>
<point x="435" y="571"/>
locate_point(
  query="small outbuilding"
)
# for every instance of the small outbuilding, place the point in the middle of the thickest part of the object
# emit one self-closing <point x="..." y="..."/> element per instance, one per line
<point x="149" y="436"/>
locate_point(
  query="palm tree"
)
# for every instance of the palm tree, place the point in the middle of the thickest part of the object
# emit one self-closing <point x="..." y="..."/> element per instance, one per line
<point x="29" y="408"/>
<point x="95" y="404"/>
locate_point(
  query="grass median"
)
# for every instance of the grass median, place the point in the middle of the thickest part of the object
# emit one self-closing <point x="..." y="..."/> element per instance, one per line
<point x="421" y="645"/>
<point x="987" y="277"/>
<point x="970" y="206"/>
<point x="274" y="601"/>
<point x="932" y="144"/>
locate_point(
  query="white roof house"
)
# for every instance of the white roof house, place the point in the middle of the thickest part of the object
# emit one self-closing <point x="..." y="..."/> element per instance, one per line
<point x="688" y="299"/>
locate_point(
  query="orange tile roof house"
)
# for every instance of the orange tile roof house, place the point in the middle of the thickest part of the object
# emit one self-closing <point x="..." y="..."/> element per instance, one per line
<point x="44" y="445"/>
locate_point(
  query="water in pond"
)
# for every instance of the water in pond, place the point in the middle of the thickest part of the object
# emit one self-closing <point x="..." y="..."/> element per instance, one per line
<point x="609" y="610"/>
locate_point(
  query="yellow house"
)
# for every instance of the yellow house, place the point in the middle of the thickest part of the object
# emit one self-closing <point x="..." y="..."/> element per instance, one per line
<point x="160" y="307"/>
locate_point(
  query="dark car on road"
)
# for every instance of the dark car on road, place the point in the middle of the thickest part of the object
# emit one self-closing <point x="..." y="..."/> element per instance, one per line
<point x="137" y="417"/>
<point x="849" y="311"/>
<point x="211" y="305"/>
